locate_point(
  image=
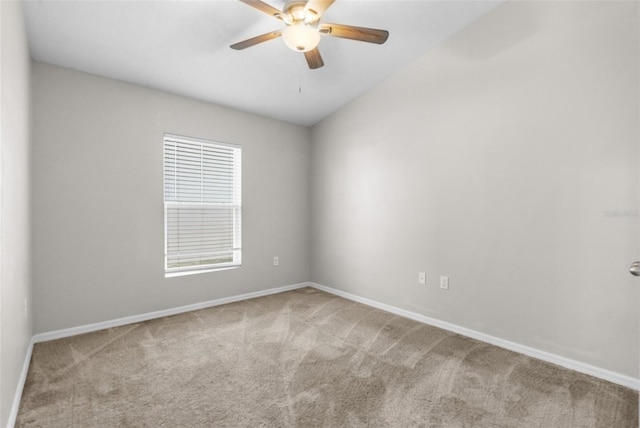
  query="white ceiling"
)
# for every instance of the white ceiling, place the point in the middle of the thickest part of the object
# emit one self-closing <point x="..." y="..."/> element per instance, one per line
<point x="182" y="47"/>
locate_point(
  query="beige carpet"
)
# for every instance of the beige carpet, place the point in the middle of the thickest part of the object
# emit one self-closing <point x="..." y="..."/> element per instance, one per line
<point x="305" y="359"/>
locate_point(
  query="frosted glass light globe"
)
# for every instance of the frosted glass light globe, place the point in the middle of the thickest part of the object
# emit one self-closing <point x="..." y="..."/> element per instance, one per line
<point x="300" y="37"/>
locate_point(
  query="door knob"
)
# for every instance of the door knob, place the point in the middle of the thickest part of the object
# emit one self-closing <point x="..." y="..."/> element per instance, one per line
<point x="635" y="268"/>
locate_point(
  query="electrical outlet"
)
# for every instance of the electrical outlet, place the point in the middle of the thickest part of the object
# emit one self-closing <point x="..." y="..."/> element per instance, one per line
<point x="422" y="278"/>
<point x="276" y="261"/>
<point x="444" y="282"/>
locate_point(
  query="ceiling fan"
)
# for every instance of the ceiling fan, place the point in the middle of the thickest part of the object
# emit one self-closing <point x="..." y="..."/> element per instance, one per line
<point x="303" y="29"/>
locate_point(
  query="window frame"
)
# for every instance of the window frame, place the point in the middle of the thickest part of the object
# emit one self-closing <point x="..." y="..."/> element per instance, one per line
<point x="235" y="205"/>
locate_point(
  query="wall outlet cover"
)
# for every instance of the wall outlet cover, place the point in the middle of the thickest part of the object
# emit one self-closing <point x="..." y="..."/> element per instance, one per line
<point x="444" y="282"/>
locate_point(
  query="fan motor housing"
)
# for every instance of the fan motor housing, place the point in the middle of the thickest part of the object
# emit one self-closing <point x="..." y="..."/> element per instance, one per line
<point x="296" y="10"/>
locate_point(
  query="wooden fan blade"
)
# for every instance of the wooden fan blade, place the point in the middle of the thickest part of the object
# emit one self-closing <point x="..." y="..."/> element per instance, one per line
<point x="314" y="59"/>
<point x="255" y="40"/>
<point x="318" y="6"/>
<point x="263" y="7"/>
<point x="362" y="34"/>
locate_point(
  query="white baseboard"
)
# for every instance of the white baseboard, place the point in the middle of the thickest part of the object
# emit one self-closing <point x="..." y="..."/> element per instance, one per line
<point x="15" y="406"/>
<point x="73" y="331"/>
<point x="568" y="363"/>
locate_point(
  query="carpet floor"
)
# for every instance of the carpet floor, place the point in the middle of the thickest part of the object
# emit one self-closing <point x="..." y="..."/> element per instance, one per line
<point x="305" y="358"/>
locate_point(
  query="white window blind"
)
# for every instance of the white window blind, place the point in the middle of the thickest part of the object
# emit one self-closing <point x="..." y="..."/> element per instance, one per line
<point x="202" y="204"/>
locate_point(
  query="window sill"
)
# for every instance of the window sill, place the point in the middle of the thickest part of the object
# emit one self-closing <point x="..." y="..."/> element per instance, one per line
<point x="193" y="272"/>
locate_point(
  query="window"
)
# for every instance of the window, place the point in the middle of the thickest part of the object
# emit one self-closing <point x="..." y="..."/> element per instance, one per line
<point x="202" y="205"/>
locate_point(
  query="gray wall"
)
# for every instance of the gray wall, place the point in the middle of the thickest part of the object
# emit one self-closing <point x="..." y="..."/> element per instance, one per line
<point x="493" y="159"/>
<point x="15" y="284"/>
<point x="98" y="210"/>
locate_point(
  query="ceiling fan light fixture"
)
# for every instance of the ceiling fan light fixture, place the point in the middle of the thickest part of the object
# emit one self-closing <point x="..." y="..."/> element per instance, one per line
<point x="301" y="38"/>
<point x="303" y="29"/>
